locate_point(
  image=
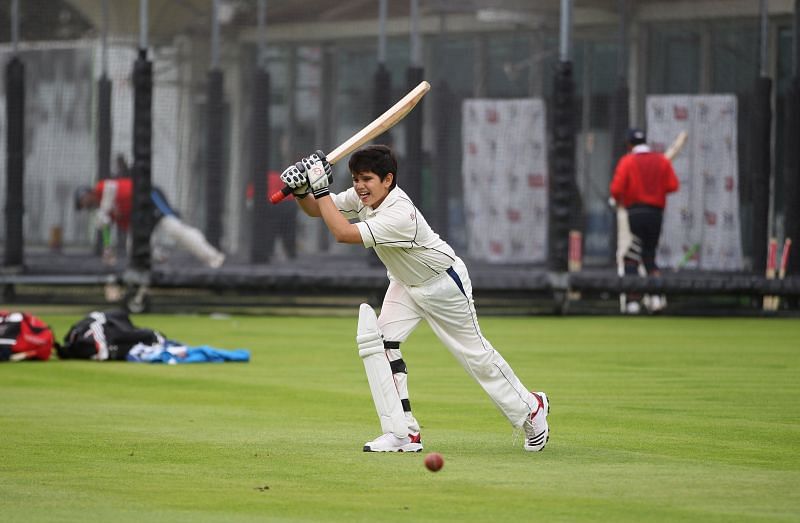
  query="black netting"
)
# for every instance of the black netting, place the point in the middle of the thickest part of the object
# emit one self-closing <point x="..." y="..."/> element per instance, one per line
<point x="510" y="151"/>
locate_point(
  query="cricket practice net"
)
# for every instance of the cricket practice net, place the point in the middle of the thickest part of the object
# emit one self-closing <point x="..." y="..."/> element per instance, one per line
<point x="508" y="156"/>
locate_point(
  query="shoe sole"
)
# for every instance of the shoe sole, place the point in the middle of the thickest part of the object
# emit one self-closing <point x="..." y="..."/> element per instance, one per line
<point x="411" y="447"/>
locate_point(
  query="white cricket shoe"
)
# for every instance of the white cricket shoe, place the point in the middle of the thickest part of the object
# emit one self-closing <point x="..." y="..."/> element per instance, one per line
<point x="633" y="307"/>
<point x="390" y="443"/>
<point x="217" y="261"/>
<point x="537" y="431"/>
<point x="656" y="303"/>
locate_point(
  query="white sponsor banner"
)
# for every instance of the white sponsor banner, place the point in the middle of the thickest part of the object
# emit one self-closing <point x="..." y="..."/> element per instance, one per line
<point x="703" y="216"/>
<point x="505" y="179"/>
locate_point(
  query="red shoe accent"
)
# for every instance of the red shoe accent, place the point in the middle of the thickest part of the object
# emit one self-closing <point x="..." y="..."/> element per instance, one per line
<point x="540" y="407"/>
<point x="415" y="438"/>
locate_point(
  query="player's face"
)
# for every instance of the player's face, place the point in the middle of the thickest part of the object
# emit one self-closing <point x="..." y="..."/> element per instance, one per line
<point x="371" y="189"/>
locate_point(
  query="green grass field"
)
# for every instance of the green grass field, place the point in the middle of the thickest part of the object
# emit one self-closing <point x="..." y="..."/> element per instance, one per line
<point x="653" y="419"/>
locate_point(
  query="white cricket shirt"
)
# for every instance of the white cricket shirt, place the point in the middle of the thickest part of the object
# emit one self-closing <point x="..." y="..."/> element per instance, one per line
<point x="402" y="239"/>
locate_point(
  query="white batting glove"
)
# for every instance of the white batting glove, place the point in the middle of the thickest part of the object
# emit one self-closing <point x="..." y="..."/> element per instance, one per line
<point x="101" y="219"/>
<point x="319" y="172"/>
<point x="295" y="177"/>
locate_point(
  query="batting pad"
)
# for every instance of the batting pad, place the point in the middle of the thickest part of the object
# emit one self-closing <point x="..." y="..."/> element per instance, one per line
<point x="379" y="373"/>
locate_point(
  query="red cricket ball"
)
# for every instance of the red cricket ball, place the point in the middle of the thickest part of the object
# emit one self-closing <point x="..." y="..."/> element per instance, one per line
<point x="434" y="461"/>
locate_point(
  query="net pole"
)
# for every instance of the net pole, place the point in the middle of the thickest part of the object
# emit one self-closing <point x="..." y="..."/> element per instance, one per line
<point x="13" y="254"/>
<point x="620" y="110"/>
<point x="263" y="233"/>
<point x="443" y="161"/>
<point x="382" y="80"/>
<point x="104" y="106"/>
<point x="563" y="190"/>
<point x="792" y="152"/>
<point x="142" y="208"/>
<point x="412" y="170"/>
<point x="214" y="136"/>
<point x="761" y="178"/>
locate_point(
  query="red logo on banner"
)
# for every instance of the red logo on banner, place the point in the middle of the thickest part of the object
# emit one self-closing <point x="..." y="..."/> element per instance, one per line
<point x="514" y="215"/>
<point x="536" y="180"/>
<point x="472" y="148"/>
<point x="496" y="248"/>
<point x="680" y="112"/>
<point x="492" y="116"/>
<point x="711" y="218"/>
<point x="729" y="183"/>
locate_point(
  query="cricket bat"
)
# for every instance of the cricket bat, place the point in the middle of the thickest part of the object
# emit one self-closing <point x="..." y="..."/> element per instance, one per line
<point x="377" y="127"/>
<point x="676" y="146"/>
<point x="575" y="258"/>
<point x="772" y="254"/>
<point x="787" y="244"/>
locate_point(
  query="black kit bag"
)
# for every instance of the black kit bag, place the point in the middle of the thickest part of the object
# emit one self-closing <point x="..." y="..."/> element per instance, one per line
<point x="105" y="336"/>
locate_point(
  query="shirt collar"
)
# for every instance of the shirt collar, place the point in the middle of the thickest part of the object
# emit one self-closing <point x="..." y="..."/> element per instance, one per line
<point x="641" y="148"/>
<point x="391" y="197"/>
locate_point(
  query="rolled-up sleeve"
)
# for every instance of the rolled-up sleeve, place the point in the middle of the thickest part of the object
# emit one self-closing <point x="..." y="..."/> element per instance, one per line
<point x="366" y="234"/>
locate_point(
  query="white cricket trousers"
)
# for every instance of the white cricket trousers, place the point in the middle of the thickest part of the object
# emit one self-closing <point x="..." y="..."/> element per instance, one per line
<point x="189" y="239"/>
<point x="449" y="310"/>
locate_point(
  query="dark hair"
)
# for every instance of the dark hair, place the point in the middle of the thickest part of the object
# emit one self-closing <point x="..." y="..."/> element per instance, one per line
<point x="80" y="192"/>
<point x="378" y="159"/>
<point x="636" y="136"/>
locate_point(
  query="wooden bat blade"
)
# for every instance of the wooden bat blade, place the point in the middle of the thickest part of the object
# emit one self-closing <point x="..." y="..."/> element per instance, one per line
<point x="382" y="123"/>
<point x="377" y="127"/>
<point x="676" y="146"/>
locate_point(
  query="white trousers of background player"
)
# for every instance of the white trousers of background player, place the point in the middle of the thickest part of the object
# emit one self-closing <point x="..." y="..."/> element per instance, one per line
<point x="172" y="229"/>
<point x="451" y="314"/>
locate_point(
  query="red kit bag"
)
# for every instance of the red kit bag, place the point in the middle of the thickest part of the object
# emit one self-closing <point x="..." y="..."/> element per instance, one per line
<point x="24" y="337"/>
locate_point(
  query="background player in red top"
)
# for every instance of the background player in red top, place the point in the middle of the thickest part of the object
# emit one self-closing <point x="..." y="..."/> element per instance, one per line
<point x="112" y="201"/>
<point x="641" y="182"/>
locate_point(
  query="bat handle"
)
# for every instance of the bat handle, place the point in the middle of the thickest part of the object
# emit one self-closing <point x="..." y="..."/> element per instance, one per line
<point x="278" y="196"/>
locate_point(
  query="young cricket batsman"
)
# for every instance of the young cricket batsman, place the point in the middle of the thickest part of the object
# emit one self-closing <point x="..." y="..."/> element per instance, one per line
<point x="426" y="281"/>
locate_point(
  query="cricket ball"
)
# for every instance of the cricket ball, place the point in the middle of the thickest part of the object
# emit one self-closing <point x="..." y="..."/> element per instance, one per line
<point x="434" y="461"/>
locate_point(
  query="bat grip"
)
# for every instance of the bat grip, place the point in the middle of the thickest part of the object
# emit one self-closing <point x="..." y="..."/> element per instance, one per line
<point x="278" y="196"/>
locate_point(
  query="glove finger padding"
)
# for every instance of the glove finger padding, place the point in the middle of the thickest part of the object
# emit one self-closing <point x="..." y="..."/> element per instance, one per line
<point x="319" y="172"/>
<point x="295" y="177"/>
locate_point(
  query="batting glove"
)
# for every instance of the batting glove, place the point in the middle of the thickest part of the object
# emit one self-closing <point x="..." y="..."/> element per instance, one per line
<point x="320" y="174"/>
<point x="101" y="219"/>
<point x="295" y="177"/>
